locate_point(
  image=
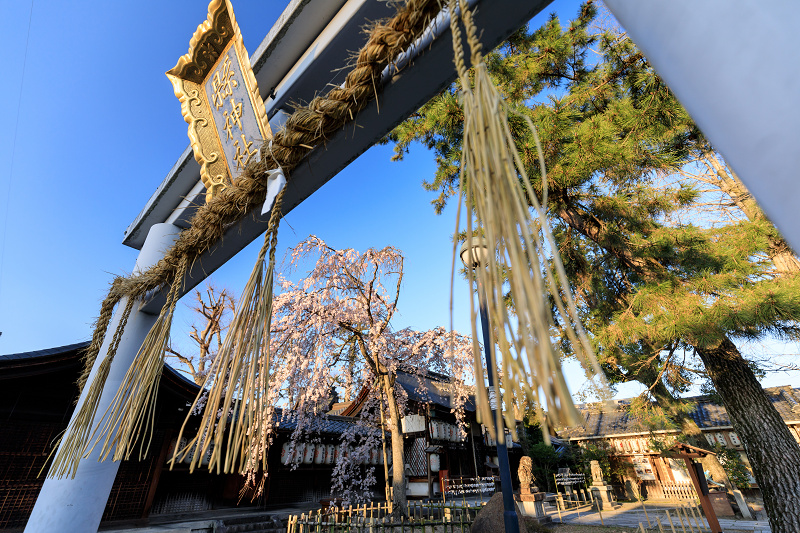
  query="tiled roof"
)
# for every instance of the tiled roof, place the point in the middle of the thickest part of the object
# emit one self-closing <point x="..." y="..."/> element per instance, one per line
<point x="338" y="407"/>
<point x="46" y="358"/>
<point x="434" y="388"/>
<point x="335" y="425"/>
<point x="431" y="388"/>
<point x="787" y="402"/>
<point x="707" y="414"/>
<point x="44" y="353"/>
<point x="597" y="422"/>
<point x="600" y="422"/>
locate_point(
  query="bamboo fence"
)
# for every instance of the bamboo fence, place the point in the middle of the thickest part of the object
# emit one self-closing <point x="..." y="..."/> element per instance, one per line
<point x="429" y="517"/>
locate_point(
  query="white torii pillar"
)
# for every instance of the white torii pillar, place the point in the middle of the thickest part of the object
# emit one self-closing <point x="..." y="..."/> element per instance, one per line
<point x="77" y="504"/>
<point x="733" y="66"/>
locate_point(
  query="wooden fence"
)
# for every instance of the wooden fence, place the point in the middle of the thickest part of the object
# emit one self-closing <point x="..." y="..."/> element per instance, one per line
<point x="575" y="495"/>
<point x="679" y="491"/>
<point x="686" y="518"/>
<point x="433" y="517"/>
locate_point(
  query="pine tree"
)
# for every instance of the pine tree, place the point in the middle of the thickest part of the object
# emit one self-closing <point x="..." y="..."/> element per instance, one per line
<point x="650" y="289"/>
<point x="736" y="203"/>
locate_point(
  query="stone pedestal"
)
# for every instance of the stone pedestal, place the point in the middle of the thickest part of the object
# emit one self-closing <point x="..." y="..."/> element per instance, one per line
<point x="603" y="497"/>
<point x="531" y="503"/>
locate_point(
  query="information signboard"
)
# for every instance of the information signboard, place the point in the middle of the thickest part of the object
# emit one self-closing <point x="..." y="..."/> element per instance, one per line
<point x="643" y="468"/>
<point x="568" y="478"/>
<point x="467" y="486"/>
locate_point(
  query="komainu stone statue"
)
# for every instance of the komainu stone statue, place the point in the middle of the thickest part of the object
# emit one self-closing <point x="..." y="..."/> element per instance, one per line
<point x="597" y="473"/>
<point x="601" y="492"/>
<point x="530" y="500"/>
<point x="526" y="477"/>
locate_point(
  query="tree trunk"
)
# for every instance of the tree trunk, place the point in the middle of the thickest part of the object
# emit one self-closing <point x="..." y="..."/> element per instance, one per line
<point x="782" y="256"/>
<point x="399" y="499"/>
<point x="773" y="452"/>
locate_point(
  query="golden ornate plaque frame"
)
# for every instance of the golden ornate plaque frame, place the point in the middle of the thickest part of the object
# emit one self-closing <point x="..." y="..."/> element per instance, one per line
<point x="214" y="50"/>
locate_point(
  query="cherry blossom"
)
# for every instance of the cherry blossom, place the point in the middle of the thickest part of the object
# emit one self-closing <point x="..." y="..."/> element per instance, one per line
<point x="331" y="330"/>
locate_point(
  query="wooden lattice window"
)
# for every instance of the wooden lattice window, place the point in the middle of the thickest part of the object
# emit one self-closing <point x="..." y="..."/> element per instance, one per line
<point x="415" y="457"/>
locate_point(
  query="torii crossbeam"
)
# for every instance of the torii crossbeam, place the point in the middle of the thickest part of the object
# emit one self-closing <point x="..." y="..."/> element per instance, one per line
<point x="311" y="40"/>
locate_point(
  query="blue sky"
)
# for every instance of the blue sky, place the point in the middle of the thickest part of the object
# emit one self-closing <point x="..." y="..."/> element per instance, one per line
<point x="98" y="129"/>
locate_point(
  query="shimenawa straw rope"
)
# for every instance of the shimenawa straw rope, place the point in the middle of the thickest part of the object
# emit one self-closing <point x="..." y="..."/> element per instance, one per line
<point x="308" y="127"/>
<point x="79" y="431"/>
<point x="237" y="380"/>
<point x="132" y="411"/>
<point x="499" y="199"/>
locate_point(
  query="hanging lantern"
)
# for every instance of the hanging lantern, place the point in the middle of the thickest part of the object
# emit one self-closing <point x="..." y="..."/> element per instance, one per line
<point x="434" y="462"/>
<point x="286" y="453"/>
<point x="319" y="453"/>
<point x="330" y="454"/>
<point x="308" y="453"/>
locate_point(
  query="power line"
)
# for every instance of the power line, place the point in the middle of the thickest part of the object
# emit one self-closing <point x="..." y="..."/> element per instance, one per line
<point x="14" y="150"/>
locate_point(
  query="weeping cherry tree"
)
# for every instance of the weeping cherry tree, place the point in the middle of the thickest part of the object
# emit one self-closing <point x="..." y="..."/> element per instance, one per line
<point x="334" y="327"/>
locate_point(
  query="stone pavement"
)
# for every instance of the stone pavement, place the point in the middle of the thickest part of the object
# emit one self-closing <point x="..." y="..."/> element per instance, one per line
<point x="631" y="514"/>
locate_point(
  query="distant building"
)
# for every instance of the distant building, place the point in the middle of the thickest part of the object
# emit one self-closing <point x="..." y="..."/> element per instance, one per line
<point x="38" y="392"/>
<point x="435" y="451"/>
<point x="628" y="439"/>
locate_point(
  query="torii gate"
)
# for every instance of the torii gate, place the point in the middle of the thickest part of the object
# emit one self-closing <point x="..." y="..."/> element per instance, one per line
<point x="312" y="39"/>
<point x="697" y="48"/>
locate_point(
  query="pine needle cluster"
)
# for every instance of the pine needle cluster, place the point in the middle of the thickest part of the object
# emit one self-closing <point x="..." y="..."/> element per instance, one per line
<point x="648" y="288"/>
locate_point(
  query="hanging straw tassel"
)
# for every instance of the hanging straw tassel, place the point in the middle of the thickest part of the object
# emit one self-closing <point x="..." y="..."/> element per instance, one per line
<point x="237" y="381"/>
<point x="499" y="199"/>
<point x="132" y="411"/>
<point x="76" y="437"/>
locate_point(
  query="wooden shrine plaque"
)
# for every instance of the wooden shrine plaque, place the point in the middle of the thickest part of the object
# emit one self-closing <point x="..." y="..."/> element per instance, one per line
<point x="220" y="100"/>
